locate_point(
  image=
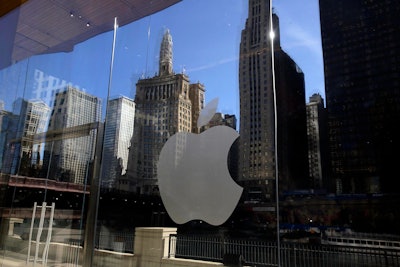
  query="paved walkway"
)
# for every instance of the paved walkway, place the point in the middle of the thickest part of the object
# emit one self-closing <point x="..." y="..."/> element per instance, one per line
<point x="13" y="259"/>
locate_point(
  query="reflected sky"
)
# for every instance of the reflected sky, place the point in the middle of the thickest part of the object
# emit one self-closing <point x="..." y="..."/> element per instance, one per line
<point x="206" y="38"/>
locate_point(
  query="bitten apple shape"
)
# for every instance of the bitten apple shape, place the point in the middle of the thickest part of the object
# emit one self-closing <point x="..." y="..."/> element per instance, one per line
<point x="194" y="179"/>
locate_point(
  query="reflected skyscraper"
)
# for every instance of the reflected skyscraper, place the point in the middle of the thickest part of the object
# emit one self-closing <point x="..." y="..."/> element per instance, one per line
<point x="117" y="139"/>
<point x="22" y="148"/>
<point x="257" y="145"/>
<point x="45" y="86"/>
<point x="317" y="142"/>
<point x="72" y="133"/>
<point x="5" y="117"/>
<point x="361" y="51"/>
<point x="165" y="104"/>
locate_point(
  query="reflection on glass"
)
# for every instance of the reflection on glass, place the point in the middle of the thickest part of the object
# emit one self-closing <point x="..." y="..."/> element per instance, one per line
<point x="336" y="152"/>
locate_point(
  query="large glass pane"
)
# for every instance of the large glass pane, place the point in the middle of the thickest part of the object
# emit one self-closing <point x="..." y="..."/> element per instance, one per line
<point x="141" y="133"/>
<point x="52" y="114"/>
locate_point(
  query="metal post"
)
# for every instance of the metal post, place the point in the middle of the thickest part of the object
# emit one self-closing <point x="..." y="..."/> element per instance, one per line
<point x="49" y="233"/>
<point x="48" y="169"/>
<point x="272" y="36"/>
<point x="91" y="221"/>
<point x="39" y="232"/>
<point x="30" y="232"/>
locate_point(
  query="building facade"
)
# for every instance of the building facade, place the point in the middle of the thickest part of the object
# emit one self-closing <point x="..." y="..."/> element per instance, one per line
<point x="317" y="145"/>
<point x="4" y="132"/>
<point x="165" y="104"/>
<point x="45" y="86"/>
<point x="196" y="95"/>
<point x="361" y="63"/>
<point x="257" y="130"/>
<point x="118" y="133"/>
<point x="72" y="133"/>
<point x="221" y="119"/>
<point x="23" y="153"/>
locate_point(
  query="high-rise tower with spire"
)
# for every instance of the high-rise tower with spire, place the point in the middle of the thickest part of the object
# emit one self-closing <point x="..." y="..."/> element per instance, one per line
<point x="165" y="104"/>
<point x="257" y="132"/>
<point x="165" y="64"/>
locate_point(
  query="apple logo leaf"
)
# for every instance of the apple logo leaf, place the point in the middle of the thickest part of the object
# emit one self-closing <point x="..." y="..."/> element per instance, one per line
<point x="207" y="112"/>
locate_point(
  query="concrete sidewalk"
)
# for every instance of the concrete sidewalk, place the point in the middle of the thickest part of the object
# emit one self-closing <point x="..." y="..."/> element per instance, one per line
<point x="12" y="259"/>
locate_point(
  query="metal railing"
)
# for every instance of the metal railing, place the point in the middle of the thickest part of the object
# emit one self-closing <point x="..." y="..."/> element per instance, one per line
<point x="263" y="253"/>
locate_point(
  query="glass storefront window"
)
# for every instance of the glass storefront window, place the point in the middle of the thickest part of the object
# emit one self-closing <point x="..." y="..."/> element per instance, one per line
<point x="200" y="130"/>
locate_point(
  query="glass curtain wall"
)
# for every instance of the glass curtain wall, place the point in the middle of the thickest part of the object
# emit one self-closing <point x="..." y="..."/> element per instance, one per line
<point x="205" y="125"/>
<point x="53" y="106"/>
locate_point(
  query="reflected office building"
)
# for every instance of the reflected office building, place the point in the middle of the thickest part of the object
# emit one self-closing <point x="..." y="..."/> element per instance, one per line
<point x="45" y="86"/>
<point x="317" y="143"/>
<point x="21" y="151"/>
<point x="360" y="41"/>
<point x="71" y="136"/>
<point x="117" y="139"/>
<point x="165" y="104"/>
<point x="257" y="145"/>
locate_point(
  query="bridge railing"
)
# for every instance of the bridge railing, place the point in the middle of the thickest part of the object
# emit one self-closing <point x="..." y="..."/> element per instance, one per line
<point x="264" y="253"/>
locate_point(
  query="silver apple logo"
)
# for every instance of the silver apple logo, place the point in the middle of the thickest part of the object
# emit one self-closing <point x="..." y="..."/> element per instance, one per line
<point x="193" y="175"/>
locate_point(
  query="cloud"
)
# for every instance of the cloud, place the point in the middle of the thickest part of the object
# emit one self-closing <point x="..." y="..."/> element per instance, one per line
<point x="213" y="64"/>
<point x="298" y="37"/>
